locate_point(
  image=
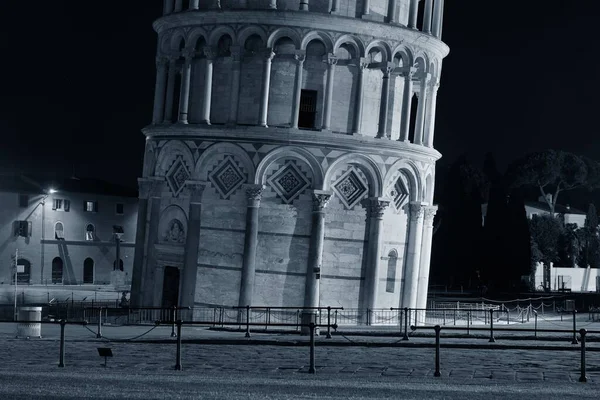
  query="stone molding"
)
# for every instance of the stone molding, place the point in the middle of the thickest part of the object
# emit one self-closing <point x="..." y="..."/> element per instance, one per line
<point x="320" y="199"/>
<point x="430" y="212"/>
<point x="254" y="193"/>
<point x="376" y="206"/>
<point x="194" y="190"/>
<point x="417" y="210"/>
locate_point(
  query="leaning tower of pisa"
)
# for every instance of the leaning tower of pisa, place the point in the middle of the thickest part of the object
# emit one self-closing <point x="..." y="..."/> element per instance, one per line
<point x="290" y="158"/>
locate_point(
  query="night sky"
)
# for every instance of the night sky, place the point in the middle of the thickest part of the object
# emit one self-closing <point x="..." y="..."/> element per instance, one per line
<point x="78" y="81"/>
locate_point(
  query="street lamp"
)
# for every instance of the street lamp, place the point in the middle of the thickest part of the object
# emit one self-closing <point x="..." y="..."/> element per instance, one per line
<point x="43" y="203"/>
<point x="118" y="233"/>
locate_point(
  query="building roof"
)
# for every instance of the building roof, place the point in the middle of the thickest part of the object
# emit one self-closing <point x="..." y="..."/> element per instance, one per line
<point x="37" y="184"/>
<point x="559" y="208"/>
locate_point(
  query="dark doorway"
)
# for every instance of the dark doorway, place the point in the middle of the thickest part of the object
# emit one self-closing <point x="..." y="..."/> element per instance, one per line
<point x="23" y="278"/>
<point x="308" y="109"/>
<point x="57" y="270"/>
<point x="170" y="296"/>
<point x="88" y="271"/>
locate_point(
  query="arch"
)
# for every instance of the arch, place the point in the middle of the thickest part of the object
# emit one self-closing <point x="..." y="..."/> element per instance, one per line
<point x="411" y="171"/>
<point x="223" y="148"/>
<point x="90" y="232"/>
<point x="177" y="41"/>
<point x="382" y="46"/>
<point x="405" y="54"/>
<point x="290" y="152"/>
<point x="365" y="163"/>
<point x="283" y="32"/>
<point x="422" y="63"/>
<point x="59" y="231"/>
<point x="165" y="43"/>
<point x="88" y="270"/>
<point x="170" y="152"/>
<point x="23" y="278"/>
<point x="194" y="35"/>
<point x="57" y="270"/>
<point x="216" y="35"/>
<point x="352" y="41"/>
<point x="284" y="45"/>
<point x="316" y="35"/>
<point x="248" y="31"/>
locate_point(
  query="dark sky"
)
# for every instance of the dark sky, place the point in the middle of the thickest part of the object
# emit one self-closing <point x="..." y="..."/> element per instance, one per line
<point x="78" y="80"/>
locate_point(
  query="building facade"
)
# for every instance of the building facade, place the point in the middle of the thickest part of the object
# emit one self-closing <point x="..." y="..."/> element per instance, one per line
<point x="290" y="160"/>
<point x="62" y="233"/>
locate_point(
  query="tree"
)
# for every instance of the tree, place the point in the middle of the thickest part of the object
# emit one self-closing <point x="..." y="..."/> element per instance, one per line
<point x="570" y="245"/>
<point x="590" y="242"/>
<point x="552" y="172"/>
<point x="545" y="231"/>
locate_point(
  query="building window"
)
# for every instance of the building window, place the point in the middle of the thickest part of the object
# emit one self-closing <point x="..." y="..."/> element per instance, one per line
<point x="22" y="228"/>
<point x="88" y="271"/>
<point x="59" y="231"/>
<point x="61" y="205"/>
<point x="120" y="264"/>
<point x="90" y="232"/>
<point x="119" y="209"/>
<point x="23" y="200"/>
<point x="24" y="272"/>
<point x="57" y="270"/>
<point x="308" y="109"/>
<point x="390" y="284"/>
<point x="90" y="206"/>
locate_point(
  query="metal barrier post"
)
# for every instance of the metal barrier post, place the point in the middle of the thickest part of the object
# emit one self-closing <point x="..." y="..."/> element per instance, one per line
<point x="178" y="355"/>
<point x="328" y="323"/>
<point x="492" y="340"/>
<point x="574" y="328"/>
<point x="368" y="316"/>
<point x="469" y="322"/>
<point x="267" y="318"/>
<point x="311" y="368"/>
<point x="535" y="326"/>
<point x="99" y="333"/>
<point x="405" y="324"/>
<point x="247" y="321"/>
<point x="335" y="320"/>
<point x="582" y="378"/>
<point x="437" y="351"/>
<point x="416" y="312"/>
<point x="455" y="317"/>
<point x="297" y="319"/>
<point x="173" y="334"/>
<point x="61" y="359"/>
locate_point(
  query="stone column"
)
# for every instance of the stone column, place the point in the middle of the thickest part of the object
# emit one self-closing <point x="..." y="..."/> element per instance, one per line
<point x="421" y="110"/>
<point x="273" y="4"/>
<point x="413" y="256"/>
<point x="159" y="90"/>
<point x="266" y="86"/>
<point x="425" y="257"/>
<point x="184" y="94"/>
<point x="194" y="4"/>
<point x="376" y="207"/>
<point x="300" y="56"/>
<point x="192" y="243"/>
<point x="178" y="5"/>
<point x="303" y="5"/>
<point x="331" y="63"/>
<point x="170" y="91"/>
<point x="366" y="7"/>
<point x="236" y="55"/>
<point x="413" y="13"/>
<point x="315" y="255"/>
<point x="334" y="5"/>
<point x="392" y="19"/>
<point x="438" y="10"/>
<point x="254" y="194"/>
<point x="384" y="105"/>
<point x="145" y="186"/>
<point x="427" y="17"/>
<point x="407" y="96"/>
<point x="358" y="104"/>
<point x="430" y="124"/>
<point x="167" y="7"/>
<point x="149" y="264"/>
<point x="208" y="78"/>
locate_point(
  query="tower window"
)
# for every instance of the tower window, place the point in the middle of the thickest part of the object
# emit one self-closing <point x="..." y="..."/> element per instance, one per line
<point x="61" y="205"/>
<point x="90" y="206"/>
<point x="308" y="109"/>
<point x="89" y="232"/>
<point x="59" y="231"/>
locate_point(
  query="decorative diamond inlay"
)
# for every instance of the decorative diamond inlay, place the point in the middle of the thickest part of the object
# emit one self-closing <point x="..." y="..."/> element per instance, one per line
<point x="350" y="188"/>
<point x="289" y="182"/>
<point x="400" y="193"/>
<point x="227" y="177"/>
<point x="177" y="175"/>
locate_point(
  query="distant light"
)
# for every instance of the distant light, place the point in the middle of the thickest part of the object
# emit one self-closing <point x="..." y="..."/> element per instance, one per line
<point x="52" y="191"/>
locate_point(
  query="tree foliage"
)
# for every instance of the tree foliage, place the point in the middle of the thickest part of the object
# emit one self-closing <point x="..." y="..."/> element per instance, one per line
<point x="552" y="172"/>
<point x="545" y="232"/>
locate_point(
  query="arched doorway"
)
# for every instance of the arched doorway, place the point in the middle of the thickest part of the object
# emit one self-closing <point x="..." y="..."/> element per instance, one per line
<point x="120" y="265"/>
<point x="23" y="278"/>
<point x="170" y="295"/>
<point x="57" y="270"/>
<point x="88" y="271"/>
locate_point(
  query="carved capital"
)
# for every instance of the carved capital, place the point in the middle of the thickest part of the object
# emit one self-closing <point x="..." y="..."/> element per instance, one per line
<point x="148" y="187"/>
<point x="430" y="214"/>
<point x="268" y="54"/>
<point x="300" y="56"/>
<point x="236" y="53"/>
<point x="330" y="59"/>
<point x="194" y="190"/>
<point x="417" y="211"/>
<point x="387" y="68"/>
<point x="376" y="206"/>
<point x="161" y="61"/>
<point x="320" y="199"/>
<point x="254" y="192"/>
<point x="188" y="53"/>
<point x="363" y="63"/>
<point x="209" y="52"/>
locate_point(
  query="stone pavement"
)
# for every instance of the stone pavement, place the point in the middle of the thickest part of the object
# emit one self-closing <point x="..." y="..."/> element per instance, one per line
<point x="209" y="351"/>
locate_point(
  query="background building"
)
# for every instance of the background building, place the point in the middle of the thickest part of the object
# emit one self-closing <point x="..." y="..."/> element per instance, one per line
<point x="63" y="231"/>
<point x="290" y="160"/>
